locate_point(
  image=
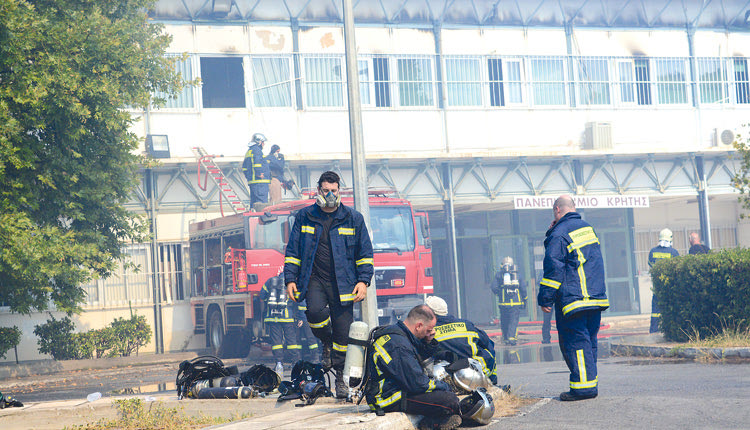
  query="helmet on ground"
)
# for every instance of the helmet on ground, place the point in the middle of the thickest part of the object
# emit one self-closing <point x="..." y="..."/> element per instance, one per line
<point x="470" y="378"/>
<point x="665" y="234"/>
<point x="258" y="138"/>
<point x="477" y="407"/>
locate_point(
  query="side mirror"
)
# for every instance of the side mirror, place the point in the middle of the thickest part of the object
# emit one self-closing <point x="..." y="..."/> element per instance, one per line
<point x="428" y="243"/>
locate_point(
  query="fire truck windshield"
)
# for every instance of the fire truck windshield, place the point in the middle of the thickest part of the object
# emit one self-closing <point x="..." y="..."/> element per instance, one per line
<point x="270" y="235"/>
<point x="392" y="229"/>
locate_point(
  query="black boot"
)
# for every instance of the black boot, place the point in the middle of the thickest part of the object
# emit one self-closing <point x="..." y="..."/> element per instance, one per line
<point x="342" y="390"/>
<point x="325" y="356"/>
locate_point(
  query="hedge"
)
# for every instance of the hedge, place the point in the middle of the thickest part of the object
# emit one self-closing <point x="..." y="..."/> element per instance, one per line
<point x="9" y="338"/>
<point x="702" y="293"/>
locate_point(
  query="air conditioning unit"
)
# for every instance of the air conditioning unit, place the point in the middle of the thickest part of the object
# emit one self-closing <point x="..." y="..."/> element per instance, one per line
<point x="724" y="137"/>
<point x="598" y="135"/>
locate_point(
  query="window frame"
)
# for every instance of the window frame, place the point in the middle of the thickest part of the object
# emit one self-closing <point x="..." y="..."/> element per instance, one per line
<point x="250" y="77"/>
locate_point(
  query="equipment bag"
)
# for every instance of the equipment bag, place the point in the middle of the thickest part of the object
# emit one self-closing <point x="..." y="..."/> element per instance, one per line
<point x="206" y="367"/>
<point x="261" y="377"/>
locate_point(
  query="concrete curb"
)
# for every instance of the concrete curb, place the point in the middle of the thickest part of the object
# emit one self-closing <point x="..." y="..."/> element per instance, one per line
<point x="46" y="367"/>
<point x="679" y="352"/>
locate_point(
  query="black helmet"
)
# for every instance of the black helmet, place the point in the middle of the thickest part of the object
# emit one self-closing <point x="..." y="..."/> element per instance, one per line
<point x="477" y="407"/>
<point x="259" y="138"/>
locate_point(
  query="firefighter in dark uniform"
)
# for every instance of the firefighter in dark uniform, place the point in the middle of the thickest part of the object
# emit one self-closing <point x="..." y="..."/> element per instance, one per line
<point x="329" y="264"/>
<point x="256" y="170"/>
<point x="463" y="338"/>
<point x="397" y="381"/>
<point x="661" y="251"/>
<point x="511" y="293"/>
<point x="573" y="281"/>
<point x="310" y="347"/>
<point x="280" y="316"/>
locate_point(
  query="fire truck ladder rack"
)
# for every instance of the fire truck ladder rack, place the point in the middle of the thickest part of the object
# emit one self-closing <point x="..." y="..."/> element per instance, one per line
<point x="214" y="172"/>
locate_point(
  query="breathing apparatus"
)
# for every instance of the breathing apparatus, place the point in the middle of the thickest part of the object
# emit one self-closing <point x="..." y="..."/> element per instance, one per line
<point x="354" y="364"/>
<point x="330" y="200"/>
<point x="277" y="298"/>
<point x="509" y="273"/>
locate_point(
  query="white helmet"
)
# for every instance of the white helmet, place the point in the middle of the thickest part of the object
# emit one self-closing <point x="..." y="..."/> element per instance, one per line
<point x="258" y="138"/>
<point x="665" y="234"/>
<point x="470" y="378"/>
<point x="477" y="407"/>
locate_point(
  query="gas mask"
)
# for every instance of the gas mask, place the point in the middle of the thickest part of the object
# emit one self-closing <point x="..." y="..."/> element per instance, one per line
<point x="330" y="200"/>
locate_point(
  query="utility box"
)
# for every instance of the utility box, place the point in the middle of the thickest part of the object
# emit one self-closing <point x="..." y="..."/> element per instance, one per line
<point x="598" y="135"/>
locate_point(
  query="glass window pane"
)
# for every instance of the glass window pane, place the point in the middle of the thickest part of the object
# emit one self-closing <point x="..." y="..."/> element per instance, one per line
<point x="381" y="76"/>
<point x="184" y="99"/>
<point x="643" y="80"/>
<point x="741" y="84"/>
<point x="223" y="82"/>
<point x="323" y="84"/>
<point x="495" y="75"/>
<point x="392" y="229"/>
<point x="670" y="78"/>
<point x="415" y="82"/>
<point x="513" y="81"/>
<point x="593" y="77"/>
<point x="625" y="70"/>
<point x="364" y="81"/>
<point x="548" y="81"/>
<point x="271" y="84"/>
<point x="463" y="82"/>
<point x="712" y="78"/>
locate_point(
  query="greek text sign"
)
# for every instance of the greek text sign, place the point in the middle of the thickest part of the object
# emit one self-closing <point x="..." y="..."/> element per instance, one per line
<point x="589" y="202"/>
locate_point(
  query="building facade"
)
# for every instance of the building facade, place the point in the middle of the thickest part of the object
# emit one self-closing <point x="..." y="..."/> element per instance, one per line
<point x="477" y="111"/>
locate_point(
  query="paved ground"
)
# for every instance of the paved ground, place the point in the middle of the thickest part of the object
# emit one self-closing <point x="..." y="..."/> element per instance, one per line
<point x="635" y="392"/>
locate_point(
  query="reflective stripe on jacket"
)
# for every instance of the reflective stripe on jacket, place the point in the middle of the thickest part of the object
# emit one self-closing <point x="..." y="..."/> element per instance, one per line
<point x="395" y="365"/>
<point x="661" y="252"/>
<point x="350" y="246"/>
<point x="573" y="267"/>
<point x="254" y="165"/>
<point x="464" y="339"/>
<point x="514" y="295"/>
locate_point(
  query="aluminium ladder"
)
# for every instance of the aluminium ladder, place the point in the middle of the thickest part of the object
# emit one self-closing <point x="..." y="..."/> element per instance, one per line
<point x="214" y="172"/>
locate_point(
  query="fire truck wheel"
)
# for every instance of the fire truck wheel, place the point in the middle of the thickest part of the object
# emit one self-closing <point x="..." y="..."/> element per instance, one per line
<point x="215" y="333"/>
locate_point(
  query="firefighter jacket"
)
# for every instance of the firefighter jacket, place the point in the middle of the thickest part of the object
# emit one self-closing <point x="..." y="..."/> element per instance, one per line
<point x="511" y="293"/>
<point x="661" y="252"/>
<point x="277" y="307"/>
<point x="573" y="277"/>
<point x="395" y="367"/>
<point x="467" y="341"/>
<point x="350" y="246"/>
<point x="276" y="166"/>
<point x="254" y="165"/>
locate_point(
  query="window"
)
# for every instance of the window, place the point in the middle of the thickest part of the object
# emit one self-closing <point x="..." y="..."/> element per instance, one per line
<point x="463" y="82"/>
<point x="642" y="81"/>
<point x="271" y="84"/>
<point x="741" y="84"/>
<point x="712" y="76"/>
<point x="223" y="82"/>
<point x="365" y="82"/>
<point x="392" y="229"/>
<point x="495" y="75"/>
<point x="626" y="81"/>
<point x="670" y="80"/>
<point x="593" y="81"/>
<point x="513" y="81"/>
<point x="415" y="82"/>
<point x="382" y="84"/>
<point x="184" y="99"/>
<point x="323" y="83"/>
<point x="505" y="81"/>
<point x="548" y="81"/>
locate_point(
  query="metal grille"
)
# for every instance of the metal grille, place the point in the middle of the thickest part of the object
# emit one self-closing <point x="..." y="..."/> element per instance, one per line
<point x="415" y="82"/>
<point x="593" y="81"/>
<point x="741" y="84"/>
<point x="463" y="78"/>
<point x="324" y="86"/>
<point x="671" y="84"/>
<point x="547" y="81"/>
<point x="712" y="80"/>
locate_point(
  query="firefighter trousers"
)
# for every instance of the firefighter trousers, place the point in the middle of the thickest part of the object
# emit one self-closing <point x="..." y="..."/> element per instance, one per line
<point x="655" y="316"/>
<point x="435" y="404"/>
<point x="310" y="349"/>
<point x="284" y="334"/>
<point x="328" y="319"/>
<point x="258" y="193"/>
<point x="578" y="344"/>
<point x="509" y="316"/>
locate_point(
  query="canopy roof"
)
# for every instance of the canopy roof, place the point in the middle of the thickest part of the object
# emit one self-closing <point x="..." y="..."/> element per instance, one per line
<point x="711" y="14"/>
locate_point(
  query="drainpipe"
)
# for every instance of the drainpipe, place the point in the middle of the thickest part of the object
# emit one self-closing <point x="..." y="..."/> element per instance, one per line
<point x="448" y="180"/>
<point x="703" y="207"/>
<point x="295" y="62"/>
<point x="150" y="185"/>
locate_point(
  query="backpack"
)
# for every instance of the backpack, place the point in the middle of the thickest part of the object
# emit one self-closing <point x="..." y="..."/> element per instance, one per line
<point x="308" y="382"/>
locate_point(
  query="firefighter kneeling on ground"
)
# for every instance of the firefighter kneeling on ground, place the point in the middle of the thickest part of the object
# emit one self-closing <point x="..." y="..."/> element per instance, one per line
<point x="398" y="382"/>
<point x="462" y="338"/>
<point x="279" y="315"/>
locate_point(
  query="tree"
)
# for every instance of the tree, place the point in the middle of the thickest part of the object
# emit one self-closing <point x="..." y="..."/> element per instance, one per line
<point x="741" y="179"/>
<point x="68" y="70"/>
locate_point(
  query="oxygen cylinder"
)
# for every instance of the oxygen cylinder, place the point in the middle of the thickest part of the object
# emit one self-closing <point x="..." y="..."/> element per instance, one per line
<point x="354" y="365"/>
<point x="226" y="393"/>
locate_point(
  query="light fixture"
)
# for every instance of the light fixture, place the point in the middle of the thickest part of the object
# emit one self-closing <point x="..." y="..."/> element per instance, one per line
<point x="157" y="145"/>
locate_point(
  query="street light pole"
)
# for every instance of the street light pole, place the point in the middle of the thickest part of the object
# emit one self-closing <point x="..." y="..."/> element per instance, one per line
<point x="359" y="169"/>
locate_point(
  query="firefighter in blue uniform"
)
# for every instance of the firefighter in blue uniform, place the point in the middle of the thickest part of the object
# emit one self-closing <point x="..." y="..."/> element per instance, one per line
<point x="329" y="264"/>
<point x="310" y="347"/>
<point x="463" y="338"/>
<point x="397" y="381"/>
<point x="511" y="293"/>
<point x="256" y="170"/>
<point x="661" y="251"/>
<point x="280" y="316"/>
<point x="573" y="281"/>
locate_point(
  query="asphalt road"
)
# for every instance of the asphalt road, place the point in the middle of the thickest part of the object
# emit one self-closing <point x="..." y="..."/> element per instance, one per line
<point x="634" y="393"/>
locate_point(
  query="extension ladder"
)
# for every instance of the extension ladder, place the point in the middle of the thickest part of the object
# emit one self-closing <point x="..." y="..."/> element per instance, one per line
<point x="214" y="172"/>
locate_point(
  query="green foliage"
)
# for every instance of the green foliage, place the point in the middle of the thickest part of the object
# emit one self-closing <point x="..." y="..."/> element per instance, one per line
<point x="9" y="338"/>
<point x="741" y="179"/>
<point x="68" y="70"/>
<point x="121" y="338"/>
<point x="697" y="294"/>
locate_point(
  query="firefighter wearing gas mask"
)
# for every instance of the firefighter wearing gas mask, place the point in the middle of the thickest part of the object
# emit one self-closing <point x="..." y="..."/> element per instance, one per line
<point x="280" y="317"/>
<point x="511" y="293"/>
<point x="661" y="251"/>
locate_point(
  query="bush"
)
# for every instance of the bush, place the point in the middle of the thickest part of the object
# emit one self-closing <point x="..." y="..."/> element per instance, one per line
<point x="130" y="335"/>
<point x="9" y="338"/>
<point x="698" y="294"/>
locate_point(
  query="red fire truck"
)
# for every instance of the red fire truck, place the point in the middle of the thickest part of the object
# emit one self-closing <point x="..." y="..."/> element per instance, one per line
<point x="232" y="257"/>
